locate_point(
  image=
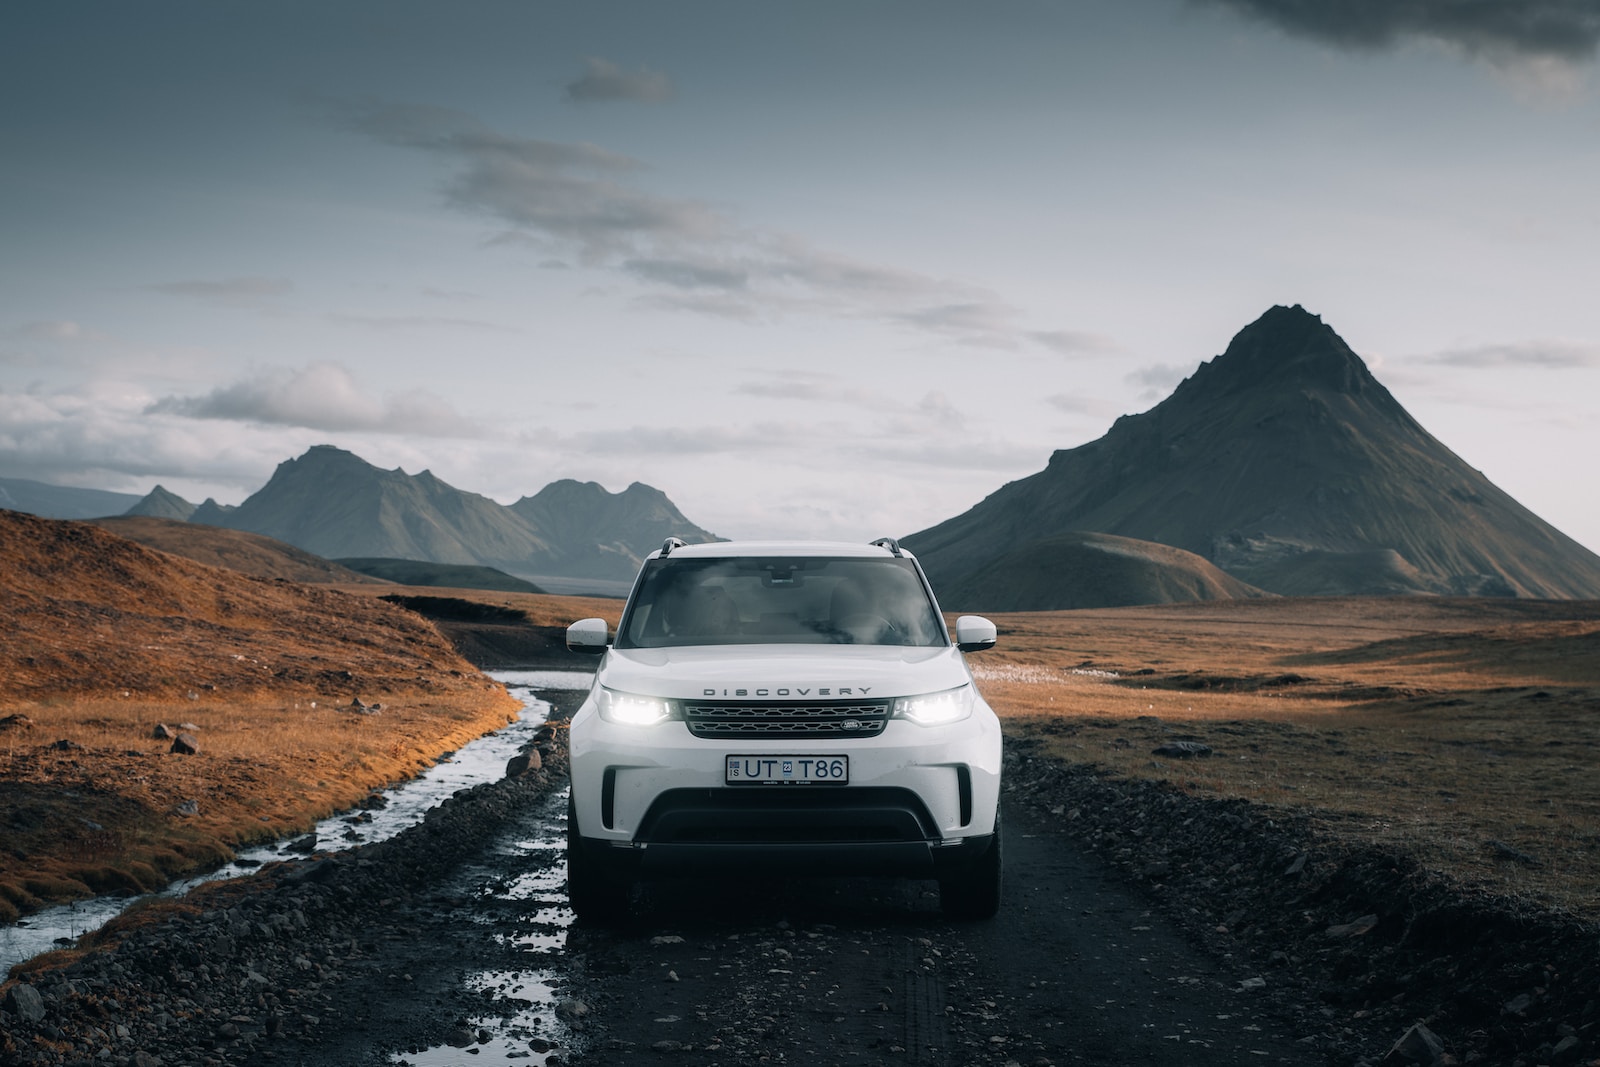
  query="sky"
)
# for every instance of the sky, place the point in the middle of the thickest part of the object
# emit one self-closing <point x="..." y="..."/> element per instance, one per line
<point x="813" y="269"/>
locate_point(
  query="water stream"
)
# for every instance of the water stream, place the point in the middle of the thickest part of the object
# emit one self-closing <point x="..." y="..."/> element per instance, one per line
<point x="482" y="760"/>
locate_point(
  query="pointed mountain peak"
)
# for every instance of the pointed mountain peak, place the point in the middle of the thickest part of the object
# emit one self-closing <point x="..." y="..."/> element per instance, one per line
<point x="162" y="503"/>
<point x="1287" y="347"/>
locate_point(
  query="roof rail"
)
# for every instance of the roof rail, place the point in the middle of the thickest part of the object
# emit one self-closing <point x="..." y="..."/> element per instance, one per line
<point x="669" y="545"/>
<point x="891" y="544"/>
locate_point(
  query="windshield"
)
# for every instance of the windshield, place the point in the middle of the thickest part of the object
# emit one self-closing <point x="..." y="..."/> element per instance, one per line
<point x="772" y="600"/>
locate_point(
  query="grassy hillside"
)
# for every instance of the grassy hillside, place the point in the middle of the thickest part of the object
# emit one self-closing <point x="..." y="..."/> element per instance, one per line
<point x="248" y="553"/>
<point x="106" y="638"/>
<point x="1087" y="570"/>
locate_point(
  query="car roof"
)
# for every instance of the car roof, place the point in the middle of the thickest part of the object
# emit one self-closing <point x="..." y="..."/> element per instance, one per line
<point x="720" y="549"/>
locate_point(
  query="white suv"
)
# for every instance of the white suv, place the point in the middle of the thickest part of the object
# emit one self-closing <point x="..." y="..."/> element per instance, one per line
<point x="784" y="707"/>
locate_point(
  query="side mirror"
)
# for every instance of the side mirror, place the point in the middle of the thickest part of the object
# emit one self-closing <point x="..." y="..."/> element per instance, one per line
<point x="588" y="635"/>
<point x="974" y="633"/>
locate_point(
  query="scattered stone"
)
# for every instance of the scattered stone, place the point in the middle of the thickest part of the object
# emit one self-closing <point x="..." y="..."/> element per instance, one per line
<point x="1416" y="1045"/>
<point x="666" y="939"/>
<point x="461" y="1039"/>
<point x="570" y="1008"/>
<point x="1182" y="749"/>
<point x="188" y="808"/>
<point x="524" y="762"/>
<point x="1252" y="983"/>
<point x="186" y="744"/>
<point x="163" y="732"/>
<point x="306" y="844"/>
<point x="64" y="745"/>
<point x="18" y="721"/>
<point x="1519" y="1004"/>
<point x="1298" y="865"/>
<point x="24" y="1001"/>
<point x="1363" y="925"/>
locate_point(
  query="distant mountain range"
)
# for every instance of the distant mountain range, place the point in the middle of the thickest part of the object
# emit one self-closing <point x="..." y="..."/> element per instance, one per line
<point x="1284" y="463"/>
<point x="336" y="505"/>
<point x="1280" y="467"/>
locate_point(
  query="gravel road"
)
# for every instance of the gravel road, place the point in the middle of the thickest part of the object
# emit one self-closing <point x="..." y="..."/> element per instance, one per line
<point x="1139" y="926"/>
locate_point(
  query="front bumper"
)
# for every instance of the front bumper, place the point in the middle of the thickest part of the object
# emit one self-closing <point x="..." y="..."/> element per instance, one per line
<point x="921" y="801"/>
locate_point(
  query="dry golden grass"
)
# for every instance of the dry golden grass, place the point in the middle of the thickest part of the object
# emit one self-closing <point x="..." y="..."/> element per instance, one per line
<point x="1436" y="727"/>
<point x="106" y="638"/>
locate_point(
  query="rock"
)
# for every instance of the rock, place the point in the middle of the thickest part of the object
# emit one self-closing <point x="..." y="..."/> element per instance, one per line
<point x="186" y="744"/>
<point x="1182" y="749"/>
<point x="1519" y="1004"/>
<point x="570" y="1008"/>
<point x="18" y="721"/>
<point x="188" y="808"/>
<point x="64" y="745"/>
<point x="1353" y="929"/>
<point x="162" y="732"/>
<point x="1298" y="865"/>
<point x="460" y="1039"/>
<point x="306" y="844"/>
<point x="522" y="763"/>
<point x="1416" y="1045"/>
<point x="24" y="1001"/>
<point x="1566" y="1050"/>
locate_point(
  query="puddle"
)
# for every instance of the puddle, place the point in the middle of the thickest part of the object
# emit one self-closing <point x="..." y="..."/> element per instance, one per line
<point x="529" y="1027"/>
<point x="482" y="760"/>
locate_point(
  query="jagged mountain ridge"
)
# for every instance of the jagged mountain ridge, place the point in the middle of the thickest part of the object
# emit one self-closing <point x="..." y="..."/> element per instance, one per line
<point x="1288" y="465"/>
<point x="337" y="505"/>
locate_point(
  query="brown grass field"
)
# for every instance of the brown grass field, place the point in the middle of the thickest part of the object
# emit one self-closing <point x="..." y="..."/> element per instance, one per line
<point x="1445" y="729"/>
<point x="1464" y="732"/>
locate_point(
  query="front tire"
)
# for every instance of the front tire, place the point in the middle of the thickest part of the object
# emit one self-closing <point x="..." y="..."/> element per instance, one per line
<point x="974" y="892"/>
<point x="594" y="897"/>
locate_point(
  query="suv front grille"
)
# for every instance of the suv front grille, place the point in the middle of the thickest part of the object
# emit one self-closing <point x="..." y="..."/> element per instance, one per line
<point x="783" y="721"/>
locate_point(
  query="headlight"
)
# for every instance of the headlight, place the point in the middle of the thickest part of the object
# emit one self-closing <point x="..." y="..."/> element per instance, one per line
<point x="936" y="709"/>
<point x="626" y="709"/>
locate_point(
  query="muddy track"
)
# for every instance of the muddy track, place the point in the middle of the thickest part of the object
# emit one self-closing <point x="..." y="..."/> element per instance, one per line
<point x="1139" y="926"/>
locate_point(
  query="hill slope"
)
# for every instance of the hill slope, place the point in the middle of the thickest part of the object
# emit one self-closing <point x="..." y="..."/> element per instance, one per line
<point x="603" y="534"/>
<point x="90" y="612"/>
<point x="60" y="501"/>
<point x="1089" y="570"/>
<point x="1284" y="462"/>
<point x="253" y="554"/>
<point x="446" y="575"/>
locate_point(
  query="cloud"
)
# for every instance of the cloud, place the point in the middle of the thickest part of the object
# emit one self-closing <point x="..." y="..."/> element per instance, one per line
<point x="1075" y="342"/>
<point x="816" y="389"/>
<point x="603" y="81"/>
<point x="1547" y="355"/>
<point x="322" y="396"/>
<point x="687" y="274"/>
<point x="418" y="322"/>
<point x="582" y="201"/>
<point x="1158" y="379"/>
<point x="1497" y="30"/>
<point x="1076" y="404"/>
<point x="56" y="330"/>
<point x="226" y="290"/>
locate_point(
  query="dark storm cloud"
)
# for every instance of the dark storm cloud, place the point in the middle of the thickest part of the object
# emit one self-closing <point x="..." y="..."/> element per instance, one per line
<point x="1561" y="29"/>
<point x="605" y="82"/>
<point x="581" y="199"/>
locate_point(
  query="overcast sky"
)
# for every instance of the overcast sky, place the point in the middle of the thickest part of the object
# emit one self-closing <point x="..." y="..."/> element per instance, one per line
<point x="815" y="269"/>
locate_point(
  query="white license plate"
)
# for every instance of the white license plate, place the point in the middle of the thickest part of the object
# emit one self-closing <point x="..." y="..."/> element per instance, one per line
<point x="788" y="770"/>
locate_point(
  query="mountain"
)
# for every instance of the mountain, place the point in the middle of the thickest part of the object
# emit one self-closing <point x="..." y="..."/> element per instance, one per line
<point x="446" y="575"/>
<point x="606" y="533"/>
<point x="160" y="503"/>
<point x="337" y="505"/>
<point x="237" y="550"/>
<point x="1090" y="570"/>
<point x="61" y="502"/>
<point x="1285" y="463"/>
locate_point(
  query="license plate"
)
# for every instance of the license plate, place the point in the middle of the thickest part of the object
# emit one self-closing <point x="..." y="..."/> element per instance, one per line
<point x="788" y="770"/>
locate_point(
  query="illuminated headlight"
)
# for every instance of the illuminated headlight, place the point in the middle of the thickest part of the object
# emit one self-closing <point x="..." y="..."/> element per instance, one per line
<point x="626" y="709"/>
<point x="936" y="709"/>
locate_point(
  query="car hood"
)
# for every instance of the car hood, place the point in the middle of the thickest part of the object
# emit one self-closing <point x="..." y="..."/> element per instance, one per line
<point x="782" y="672"/>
